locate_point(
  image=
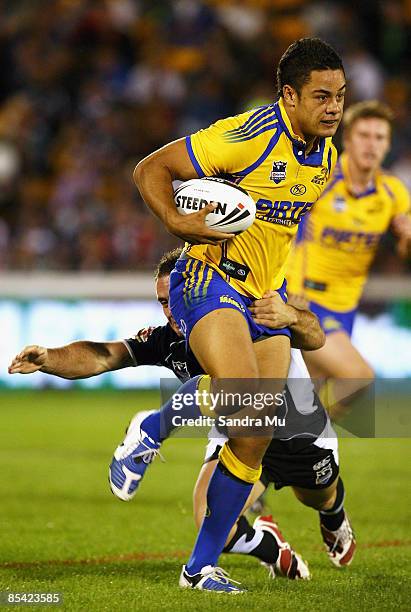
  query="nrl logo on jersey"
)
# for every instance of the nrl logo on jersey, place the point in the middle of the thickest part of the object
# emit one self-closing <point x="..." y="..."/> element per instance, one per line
<point x="278" y="171"/>
<point x="321" y="179"/>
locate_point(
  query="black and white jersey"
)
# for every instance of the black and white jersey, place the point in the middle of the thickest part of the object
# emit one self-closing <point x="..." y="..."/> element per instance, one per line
<point x="161" y="346"/>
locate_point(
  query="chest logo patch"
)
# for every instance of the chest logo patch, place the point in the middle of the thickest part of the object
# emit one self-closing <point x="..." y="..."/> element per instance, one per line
<point x="298" y="190"/>
<point x="278" y="171"/>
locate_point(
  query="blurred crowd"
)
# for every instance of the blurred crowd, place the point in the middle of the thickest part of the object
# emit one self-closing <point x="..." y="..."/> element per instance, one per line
<point x="89" y="87"/>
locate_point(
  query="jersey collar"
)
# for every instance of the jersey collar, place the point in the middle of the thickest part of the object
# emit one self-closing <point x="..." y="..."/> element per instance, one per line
<point x="315" y="158"/>
<point x="343" y="162"/>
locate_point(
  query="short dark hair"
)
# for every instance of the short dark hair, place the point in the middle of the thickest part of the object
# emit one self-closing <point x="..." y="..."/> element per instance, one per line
<point x="167" y="263"/>
<point x="301" y="58"/>
<point x="367" y="109"/>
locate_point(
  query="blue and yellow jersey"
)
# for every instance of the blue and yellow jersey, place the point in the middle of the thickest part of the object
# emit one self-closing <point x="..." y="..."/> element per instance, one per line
<point x="338" y="240"/>
<point x="259" y="150"/>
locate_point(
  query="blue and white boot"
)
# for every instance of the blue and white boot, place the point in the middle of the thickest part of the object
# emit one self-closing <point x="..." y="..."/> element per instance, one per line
<point x="132" y="458"/>
<point x="209" y="579"/>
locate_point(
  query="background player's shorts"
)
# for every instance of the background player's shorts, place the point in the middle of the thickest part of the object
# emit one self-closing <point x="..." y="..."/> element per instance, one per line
<point x="313" y="467"/>
<point x="332" y="321"/>
<point x="196" y="289"/>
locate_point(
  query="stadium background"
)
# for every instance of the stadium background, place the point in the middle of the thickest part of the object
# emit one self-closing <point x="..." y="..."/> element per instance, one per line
<point x="87" y="88"/>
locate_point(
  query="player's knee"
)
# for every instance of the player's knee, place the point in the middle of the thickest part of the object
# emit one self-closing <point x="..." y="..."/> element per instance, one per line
<point x="250" y="450"/>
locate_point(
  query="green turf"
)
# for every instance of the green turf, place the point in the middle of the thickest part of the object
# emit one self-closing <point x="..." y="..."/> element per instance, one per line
<point x="62" y="530"/>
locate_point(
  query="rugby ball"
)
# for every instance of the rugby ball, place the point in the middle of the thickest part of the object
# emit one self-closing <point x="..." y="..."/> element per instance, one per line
<point x="235" y="210"/>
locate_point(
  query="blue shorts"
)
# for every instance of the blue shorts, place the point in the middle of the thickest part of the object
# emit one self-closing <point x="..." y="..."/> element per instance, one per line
<point x="196" y="289"/>
<point x="332" y="321"/>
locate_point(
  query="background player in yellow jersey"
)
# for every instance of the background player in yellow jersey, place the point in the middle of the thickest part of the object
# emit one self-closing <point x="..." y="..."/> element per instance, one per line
<point x="282" y="155"/>
<point x="338" y="241"/>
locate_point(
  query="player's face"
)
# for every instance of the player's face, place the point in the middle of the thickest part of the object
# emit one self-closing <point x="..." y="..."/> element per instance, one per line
<point x="162" y="291"/>
<point x="368" y="142"/>
<point x="319" y="107"/>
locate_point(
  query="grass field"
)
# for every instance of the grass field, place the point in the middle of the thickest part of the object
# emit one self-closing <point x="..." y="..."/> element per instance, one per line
<point x="61" y="530"/>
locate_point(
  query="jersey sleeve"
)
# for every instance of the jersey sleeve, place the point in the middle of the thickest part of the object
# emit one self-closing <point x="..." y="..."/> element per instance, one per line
<point x="147" y="346"/>
<point x="232" y="144"/>
<point x="399" y="194"/>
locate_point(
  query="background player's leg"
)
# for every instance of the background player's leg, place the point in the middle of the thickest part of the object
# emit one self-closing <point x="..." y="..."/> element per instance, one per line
<point x="348" y="374"/>
<point x="338" y="358"/>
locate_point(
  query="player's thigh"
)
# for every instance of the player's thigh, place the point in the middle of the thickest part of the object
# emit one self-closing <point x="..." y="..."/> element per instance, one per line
<point x="338" y="358"/>
<point x="320" y="499"/>
<point x="221" y="342"/>
<point x="273" y="357"/>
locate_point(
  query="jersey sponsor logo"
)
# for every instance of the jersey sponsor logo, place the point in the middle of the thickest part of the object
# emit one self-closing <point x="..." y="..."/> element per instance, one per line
<point x="320" y="179"/>
<point x="189" y="203"/>
<point x="282" y="212"/>
<point x="298" y="190"/>
<point x="278" y="171"/>
<point x="349" y="241"/>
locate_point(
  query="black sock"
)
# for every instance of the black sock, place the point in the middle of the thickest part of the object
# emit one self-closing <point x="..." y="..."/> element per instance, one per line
<point x="333" y="518"/>
<point x="248" y="541"/>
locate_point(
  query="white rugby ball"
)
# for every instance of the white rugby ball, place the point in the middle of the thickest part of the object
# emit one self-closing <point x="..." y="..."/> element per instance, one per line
<point x="235" y="210"/>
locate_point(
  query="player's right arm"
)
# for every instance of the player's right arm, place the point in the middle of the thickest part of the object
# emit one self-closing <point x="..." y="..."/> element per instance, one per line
<point x="154" y="175"/>
<point x="80" y="359"/>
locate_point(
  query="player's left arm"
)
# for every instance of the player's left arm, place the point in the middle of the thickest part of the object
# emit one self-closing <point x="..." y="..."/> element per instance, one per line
<point x="271" y="311"/>
<point x="80" y="359"/>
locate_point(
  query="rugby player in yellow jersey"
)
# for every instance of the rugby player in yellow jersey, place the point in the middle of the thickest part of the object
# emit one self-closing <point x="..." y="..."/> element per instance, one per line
<point x="338" y="241"/>
<point x="282" y="155"/>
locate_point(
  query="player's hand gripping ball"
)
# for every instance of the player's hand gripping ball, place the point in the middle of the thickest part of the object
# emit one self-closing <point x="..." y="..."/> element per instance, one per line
<point x="235" y="209"/>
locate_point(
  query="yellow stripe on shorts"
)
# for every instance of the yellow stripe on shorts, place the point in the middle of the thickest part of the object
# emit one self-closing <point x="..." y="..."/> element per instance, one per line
<point x="208" y="279"/>
<point x="187" y="279"/>
<point x="200" y="280"/>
